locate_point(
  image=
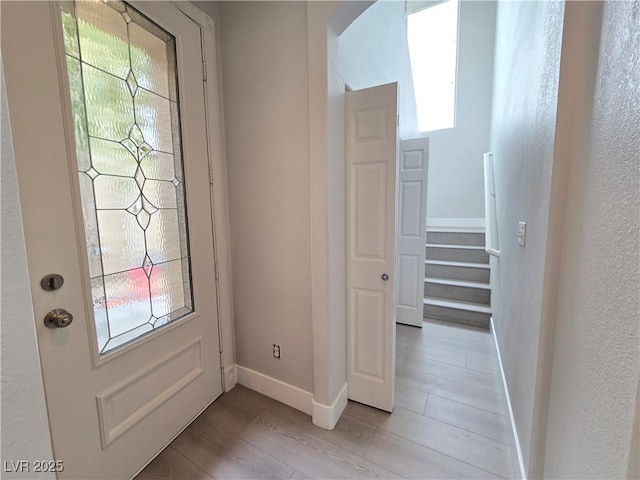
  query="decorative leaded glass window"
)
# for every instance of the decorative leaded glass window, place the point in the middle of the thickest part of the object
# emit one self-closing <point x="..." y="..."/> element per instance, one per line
<point x="123" y="85"/>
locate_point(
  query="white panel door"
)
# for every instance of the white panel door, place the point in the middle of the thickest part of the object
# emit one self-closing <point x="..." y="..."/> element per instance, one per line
<point x="107" y="111"/>
<point x="412" y="230"/>
<point x="371" y="155"/>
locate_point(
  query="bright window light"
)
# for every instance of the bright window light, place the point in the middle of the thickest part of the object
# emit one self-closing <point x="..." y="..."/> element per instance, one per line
<point x="432" y="35"/>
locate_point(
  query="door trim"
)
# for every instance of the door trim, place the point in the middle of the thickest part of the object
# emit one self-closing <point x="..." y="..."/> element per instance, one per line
<point x="219" y="195"/>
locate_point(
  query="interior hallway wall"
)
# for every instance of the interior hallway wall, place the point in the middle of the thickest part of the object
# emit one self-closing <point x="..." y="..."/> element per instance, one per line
<point x="264" y="67"/>
<point x="525" y="98"/>
<point x="594" y="386"/>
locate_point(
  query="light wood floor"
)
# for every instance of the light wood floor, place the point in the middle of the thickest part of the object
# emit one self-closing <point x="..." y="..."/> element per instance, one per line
<point x="449" y="422"/>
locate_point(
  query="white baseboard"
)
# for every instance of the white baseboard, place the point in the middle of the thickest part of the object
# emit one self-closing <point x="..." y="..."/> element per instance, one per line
<point x="326" y="416"/>
<point x="230" y="377"/>
<point x="456" y="224"/>
<point x="271" y="387"/>
<point x="516" y="439"/>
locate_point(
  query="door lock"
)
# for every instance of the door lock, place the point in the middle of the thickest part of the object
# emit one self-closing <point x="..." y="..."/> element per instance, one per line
<point x="58" y="318"/>
<point x="385" y="277"/>
<point x="51" y="282"/>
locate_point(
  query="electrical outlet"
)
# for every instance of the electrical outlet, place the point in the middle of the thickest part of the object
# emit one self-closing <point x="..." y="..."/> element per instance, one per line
<point x="522" y="233"/>
<point x="276" y="350"/>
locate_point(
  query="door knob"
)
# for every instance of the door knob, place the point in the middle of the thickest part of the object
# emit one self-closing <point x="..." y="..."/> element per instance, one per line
<point x="58" y="318"/>
<point x="385" y="277"/>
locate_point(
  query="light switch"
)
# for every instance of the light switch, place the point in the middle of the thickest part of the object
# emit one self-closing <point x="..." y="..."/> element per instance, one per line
<point x="522" y="233"/>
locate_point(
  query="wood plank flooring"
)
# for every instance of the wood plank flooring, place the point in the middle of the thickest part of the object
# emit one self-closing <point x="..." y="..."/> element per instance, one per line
<point x="450" y="421"/>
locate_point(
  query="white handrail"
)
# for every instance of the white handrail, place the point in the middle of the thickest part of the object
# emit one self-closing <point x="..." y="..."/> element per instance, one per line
<point x="491" y="222"/>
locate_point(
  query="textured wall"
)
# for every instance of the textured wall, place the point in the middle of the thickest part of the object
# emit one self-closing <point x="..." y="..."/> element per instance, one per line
<point x="25" y="427"/>
<point x="525" y="96"/>
<point x="264" y="66"/>
<point x="596" y="359"/>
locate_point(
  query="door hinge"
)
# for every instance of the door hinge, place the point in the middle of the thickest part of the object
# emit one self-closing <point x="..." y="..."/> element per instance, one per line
<point x="222" y="361"/>
<point x="210" y="175"/>
<point x="204" y="71"/>
<point x="217" y="272"/>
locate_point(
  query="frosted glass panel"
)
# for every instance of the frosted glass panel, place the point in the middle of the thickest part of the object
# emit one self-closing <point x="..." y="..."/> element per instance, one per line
<point x="111" y="159"/>
<point x="158" y="166"/>
<point x="149" y="59"/>
<point x="103" y="37"/>
<point x="154" y="118"/>
<point x="123" y="89"/>
<point x="108" y="100"/>
<point x="122" y="241"/>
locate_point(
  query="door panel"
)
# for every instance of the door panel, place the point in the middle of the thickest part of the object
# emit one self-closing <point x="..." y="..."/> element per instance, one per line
<point x="371" y="200"/>
<point x="369" y="203"/>
<point x="412" y="229"/>
<point x="112" y="410"/>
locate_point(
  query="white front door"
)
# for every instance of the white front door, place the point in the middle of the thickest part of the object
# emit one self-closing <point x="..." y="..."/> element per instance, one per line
<point x="412" y="230"/>
<point x="107" y="112"/>
<point x="371" y="155"/>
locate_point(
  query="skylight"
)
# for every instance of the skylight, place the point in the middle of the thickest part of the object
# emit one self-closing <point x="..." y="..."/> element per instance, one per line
<point x="432" y="34"/>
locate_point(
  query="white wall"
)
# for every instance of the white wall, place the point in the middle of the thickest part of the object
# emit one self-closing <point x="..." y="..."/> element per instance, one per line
<point x="325" y="21"/>
<point x="264" y="63"/>
<point x="374" y="51"/>
<point x="456" y="181"/>
<point x="565" y="136"/>
<point x="525" y="97"/>
<point x="596" y="360"/>
<point x="25" y="427"/>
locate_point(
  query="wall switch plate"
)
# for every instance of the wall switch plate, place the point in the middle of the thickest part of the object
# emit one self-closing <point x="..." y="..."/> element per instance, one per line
<point x="522" y="233"/>
<point x="276" y="350"/>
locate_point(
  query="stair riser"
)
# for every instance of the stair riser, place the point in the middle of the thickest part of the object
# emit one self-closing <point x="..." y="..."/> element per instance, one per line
<point x="462" y="317"/>
<point x="455" y="292"/>
<point x="469" y="274"/>
<point x="456" y="238"/>
<point x="457" y="255"/>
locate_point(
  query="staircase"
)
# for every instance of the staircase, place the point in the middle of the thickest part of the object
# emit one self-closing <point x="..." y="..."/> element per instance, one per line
<point x="456" y="284"/>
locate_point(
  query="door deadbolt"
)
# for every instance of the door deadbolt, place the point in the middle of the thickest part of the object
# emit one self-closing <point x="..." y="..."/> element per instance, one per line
<point x="58" y="318"/>
<point x="52" y="282"/>
<point x="385" y="277"/>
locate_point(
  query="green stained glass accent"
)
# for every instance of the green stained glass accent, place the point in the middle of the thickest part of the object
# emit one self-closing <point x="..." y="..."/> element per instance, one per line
<point x="123" y="88"/>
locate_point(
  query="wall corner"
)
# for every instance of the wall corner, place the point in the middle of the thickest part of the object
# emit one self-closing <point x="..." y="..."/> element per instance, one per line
<point x="326" y="416"/>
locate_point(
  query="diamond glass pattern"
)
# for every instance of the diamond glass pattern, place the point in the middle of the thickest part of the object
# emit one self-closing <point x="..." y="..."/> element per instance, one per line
<point x="132" y="83"/>
<point x="123" y="86"/>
